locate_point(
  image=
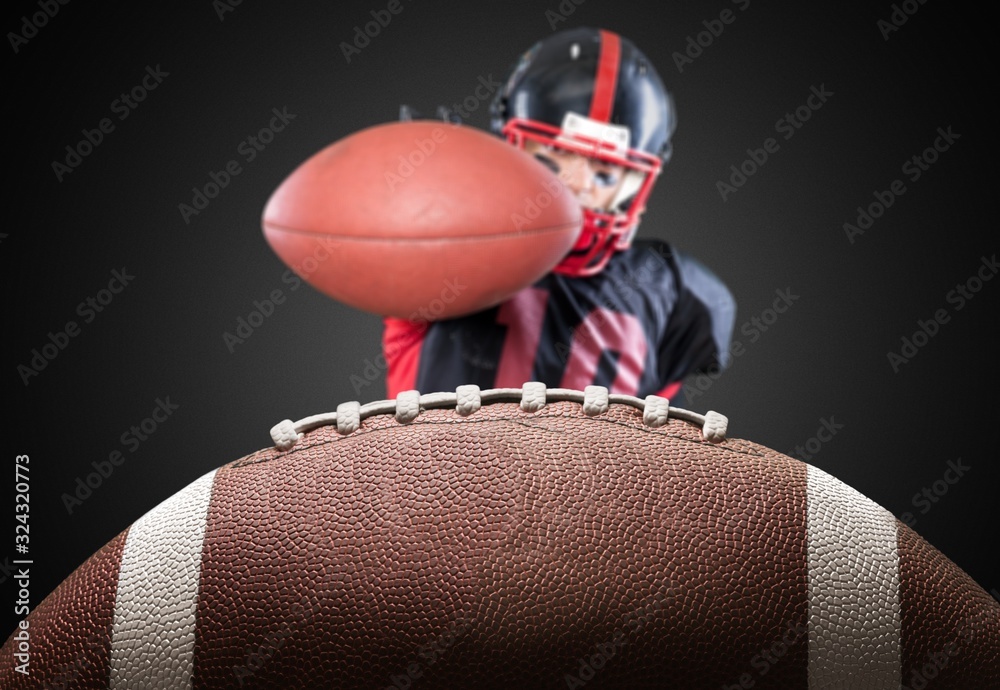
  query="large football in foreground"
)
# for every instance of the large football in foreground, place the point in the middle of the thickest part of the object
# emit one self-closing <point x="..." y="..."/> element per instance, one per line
<point x="421" y="220"/>
<point x="514" y="539"/>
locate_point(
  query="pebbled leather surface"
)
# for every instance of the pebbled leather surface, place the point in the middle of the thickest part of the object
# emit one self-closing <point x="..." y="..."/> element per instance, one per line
<point x="511" y="549"/>
<point x="70" y="630"/>
<point x="951" y="626"/>
<point x="507" y="549"/>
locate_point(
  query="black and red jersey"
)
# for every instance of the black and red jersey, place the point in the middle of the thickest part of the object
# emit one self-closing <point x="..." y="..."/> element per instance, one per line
<point x="648" y="320"/>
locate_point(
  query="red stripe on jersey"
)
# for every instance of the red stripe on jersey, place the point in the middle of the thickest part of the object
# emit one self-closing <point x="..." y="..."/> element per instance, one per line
<point x="601" y="331"/>
<point x="670" y="390"/>
<point x="523" y="315"/>
<point x="401" y="343"/>
<point x="607" y="77"/>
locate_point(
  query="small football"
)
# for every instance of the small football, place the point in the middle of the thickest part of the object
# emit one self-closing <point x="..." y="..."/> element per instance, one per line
<point x="514" y="538"/>
<point x="421" y="220"/>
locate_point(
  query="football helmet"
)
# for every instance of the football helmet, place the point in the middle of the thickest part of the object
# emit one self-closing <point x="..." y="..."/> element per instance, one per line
<point x="592" y="92"/>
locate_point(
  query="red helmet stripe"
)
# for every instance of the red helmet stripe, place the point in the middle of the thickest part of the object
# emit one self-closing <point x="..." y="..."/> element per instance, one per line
<point x="606" y="78"/>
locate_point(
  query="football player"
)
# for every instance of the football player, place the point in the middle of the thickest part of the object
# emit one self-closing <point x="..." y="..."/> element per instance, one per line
<point x="634" y="316"/>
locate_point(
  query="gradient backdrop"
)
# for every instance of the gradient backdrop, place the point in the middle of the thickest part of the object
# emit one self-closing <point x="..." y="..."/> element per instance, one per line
<point x="220" y="71"/>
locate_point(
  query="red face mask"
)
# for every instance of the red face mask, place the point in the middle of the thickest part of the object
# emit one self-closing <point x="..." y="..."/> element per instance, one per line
<point x="604" y="231"/>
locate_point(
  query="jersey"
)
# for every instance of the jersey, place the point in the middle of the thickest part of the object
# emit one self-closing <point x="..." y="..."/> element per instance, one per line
<point x="648" y="320"/>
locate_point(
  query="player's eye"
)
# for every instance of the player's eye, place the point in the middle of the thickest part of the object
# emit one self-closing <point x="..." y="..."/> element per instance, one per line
<point x="547" y="162"/>
<point x="606" y="178"/>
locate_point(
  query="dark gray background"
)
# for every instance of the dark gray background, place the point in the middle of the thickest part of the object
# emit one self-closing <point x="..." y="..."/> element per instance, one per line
<point x="162" y="336"/>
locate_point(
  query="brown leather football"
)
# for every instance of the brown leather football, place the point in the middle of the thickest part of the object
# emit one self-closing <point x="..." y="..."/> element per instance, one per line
<point x="421" y="220"/>
<point x="515" y="538"/>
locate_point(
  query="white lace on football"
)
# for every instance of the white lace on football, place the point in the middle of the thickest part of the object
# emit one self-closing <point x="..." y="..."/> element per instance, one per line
<point x="466" y="400"/>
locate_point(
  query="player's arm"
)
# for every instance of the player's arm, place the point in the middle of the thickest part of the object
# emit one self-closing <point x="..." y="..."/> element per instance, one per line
<point x="401" y="344"/>
<point x="700" y="327"/>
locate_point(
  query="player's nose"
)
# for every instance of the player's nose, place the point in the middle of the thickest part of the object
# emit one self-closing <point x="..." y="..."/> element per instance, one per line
<point x="579" y="177"/>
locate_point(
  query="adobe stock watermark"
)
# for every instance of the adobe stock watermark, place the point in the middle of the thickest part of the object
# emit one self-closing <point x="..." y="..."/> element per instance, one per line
<point x="7" y="568"/>
<point x="87" y="310"/>
<point x="562" y="13"/>
<point x="373" y="369"/>
<point x="224" y="7"/>
<point x="763" y="661"/>
<point x="248" y="150"/>
<point x="66" y="673"/>
<point x="810" y="448"/>
<point x="483" y="93"/>
<point x="256" y="658"/>
<point x="604" y="327"/>
<point x="429" y="653"/>
<point x="30" y="26"/>
<point x="363" y="35"/>
<point x="928" y="496"/>
<point x="532" y="205"/>
<point x="301" y="611"/>
<point x="757" y="326"/>
<point x="604" y="324"/>
<point x="263" y="309"/>
<point x="122" y="107"/>
<point x="956" y="299"/>
<point x="753" y="328"/>
<point x="696" y="45"/>
<point x="604" y="653"/>
<point x="787" y="125"/>
<point x="935" y="661"/>
<point x="408" y="164"/>
<point x="131" y="439"/>
<point x="901" y="14"/>
<point x="913" y="168"/>
<point x="655" y="261"/>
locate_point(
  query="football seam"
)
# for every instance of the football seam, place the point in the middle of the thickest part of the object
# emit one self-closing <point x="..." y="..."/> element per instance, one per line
<point x="516" y="234"/>
<point x="304" y="443"/>
<point x="532" y="395"/>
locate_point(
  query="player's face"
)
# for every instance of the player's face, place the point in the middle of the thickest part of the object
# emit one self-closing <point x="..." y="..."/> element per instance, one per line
<point x="595" y="183"/>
